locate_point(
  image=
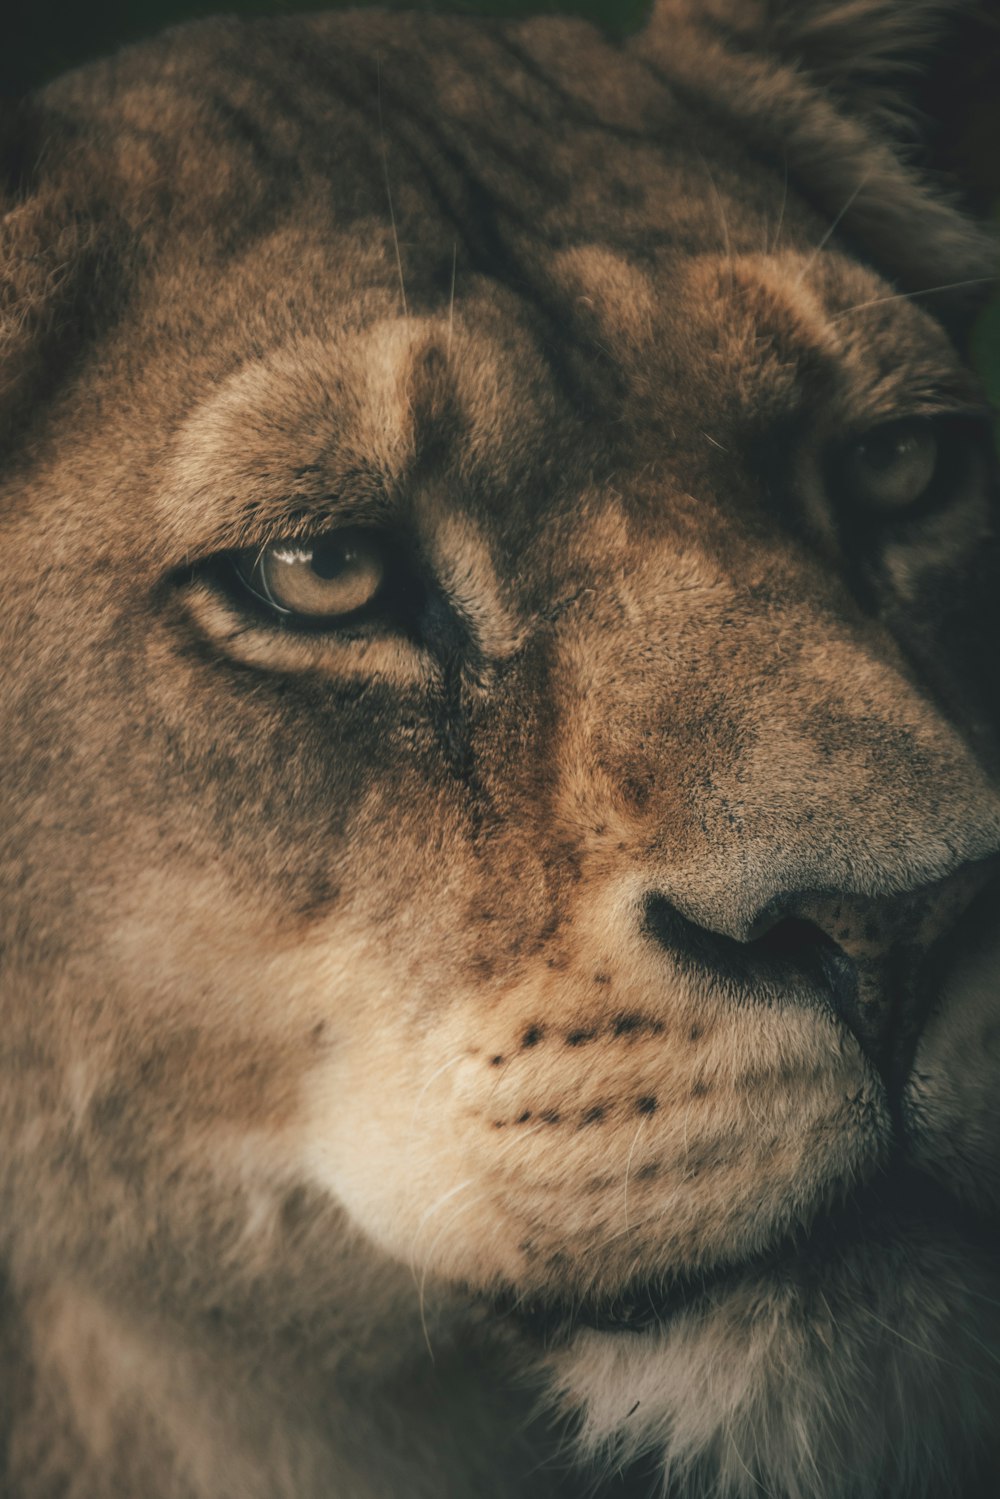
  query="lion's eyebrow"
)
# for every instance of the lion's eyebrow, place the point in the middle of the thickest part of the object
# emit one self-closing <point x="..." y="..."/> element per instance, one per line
<point x="317" y="432"/>
<point x="316" y="495"/>
<point x="227" y="512"/>
<point x="245" y="469"/>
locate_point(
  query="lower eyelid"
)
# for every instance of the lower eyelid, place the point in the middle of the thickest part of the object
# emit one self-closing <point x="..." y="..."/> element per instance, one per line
<point x="385" y="656"/>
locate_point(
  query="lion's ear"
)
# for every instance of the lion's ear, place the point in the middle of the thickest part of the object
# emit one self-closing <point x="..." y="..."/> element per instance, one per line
<point x="841" y="92"/>
<point x="923" y="68"/>
<point x="929" y="69"/>
<point x="868" y="54"/>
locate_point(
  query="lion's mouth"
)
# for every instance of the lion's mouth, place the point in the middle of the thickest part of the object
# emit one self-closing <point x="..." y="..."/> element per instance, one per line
<point x="649" y="1302"/>
<point x="875" y="1218"/>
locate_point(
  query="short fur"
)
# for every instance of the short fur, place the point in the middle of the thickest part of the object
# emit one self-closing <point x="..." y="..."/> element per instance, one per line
<point x="375" y="998"/>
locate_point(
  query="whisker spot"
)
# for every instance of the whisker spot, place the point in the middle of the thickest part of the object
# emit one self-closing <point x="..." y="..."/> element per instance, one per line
<point x="580" y="1038"/>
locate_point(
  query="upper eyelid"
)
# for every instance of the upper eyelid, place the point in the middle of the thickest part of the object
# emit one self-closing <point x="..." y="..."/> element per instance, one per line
<point x="299" y="536"/>
<point x="946" y="421"/>
<point x="928" y="406"/>
<point x="298" y="517"/>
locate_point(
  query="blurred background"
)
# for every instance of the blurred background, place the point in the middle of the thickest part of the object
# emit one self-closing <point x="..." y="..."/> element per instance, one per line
<point x="41" y="38"/>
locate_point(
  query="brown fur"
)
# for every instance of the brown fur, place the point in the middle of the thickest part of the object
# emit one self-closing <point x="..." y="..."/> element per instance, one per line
<point x="354" y="984"/>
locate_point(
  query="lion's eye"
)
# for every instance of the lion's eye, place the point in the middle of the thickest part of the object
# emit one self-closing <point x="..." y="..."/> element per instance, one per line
<point x="327" y="578"/>
<point x="892" y="468"/>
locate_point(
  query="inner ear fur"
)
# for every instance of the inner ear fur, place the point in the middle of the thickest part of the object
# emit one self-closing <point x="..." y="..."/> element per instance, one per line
<point x="835" y="93"/>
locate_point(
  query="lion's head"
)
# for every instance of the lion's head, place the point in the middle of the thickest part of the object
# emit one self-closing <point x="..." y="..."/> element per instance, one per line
<point x="500" y="756"/>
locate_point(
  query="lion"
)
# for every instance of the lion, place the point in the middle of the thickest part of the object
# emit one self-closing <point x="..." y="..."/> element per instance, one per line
<point x="500" y="747"/>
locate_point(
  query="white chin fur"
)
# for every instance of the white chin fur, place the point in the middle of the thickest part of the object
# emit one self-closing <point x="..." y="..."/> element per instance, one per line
<point x="880" y="1379"/>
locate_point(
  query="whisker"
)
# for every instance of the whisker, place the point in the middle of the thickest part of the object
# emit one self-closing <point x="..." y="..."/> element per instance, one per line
<point x="513" y="1141"/>
<point x="981" y="1296"/>
<point x="421" y="1285"/>
<point x="440" y="1203"/>
<point x="931" y="1353"/>
<point x="451" y="1062"/>
<point x="451" y="303"/>
<point x="388" y="193"/>
<point x="723" y="218"/>
<point x="742" y="1462"/>
<point x="770" y="250"/>
<point x="991" y="1353"/>
<point x="831" y="231"/>
<point x="422" y="1290"/>
<point x="903" y="296"/>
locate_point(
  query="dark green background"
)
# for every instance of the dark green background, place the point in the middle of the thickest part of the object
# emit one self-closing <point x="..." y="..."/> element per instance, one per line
<point x="40" y="38"/>
<point x="45" y="38"/>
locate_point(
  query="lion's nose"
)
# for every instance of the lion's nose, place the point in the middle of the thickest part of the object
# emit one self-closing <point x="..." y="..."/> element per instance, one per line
<point x="784" y="956"/>
<point x="869" y="960"/>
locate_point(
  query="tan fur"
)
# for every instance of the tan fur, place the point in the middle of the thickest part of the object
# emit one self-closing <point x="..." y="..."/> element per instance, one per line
<point x="355" y="1003"/>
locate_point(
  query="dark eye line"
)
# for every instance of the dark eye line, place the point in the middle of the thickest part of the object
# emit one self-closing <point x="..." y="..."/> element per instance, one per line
<point x="399" y="606"/>
<point x="937" y="418"/>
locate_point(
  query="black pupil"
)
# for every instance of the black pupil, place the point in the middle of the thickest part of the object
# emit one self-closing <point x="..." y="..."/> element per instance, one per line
<point x="883" y="453"/>
<point x="330" y="559"/>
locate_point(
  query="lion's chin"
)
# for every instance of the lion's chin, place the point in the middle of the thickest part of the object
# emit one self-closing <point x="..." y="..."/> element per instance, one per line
<point x="874" y="1335"/>
<point x="651" y="1300"/>
<point x="878" y="1219"/>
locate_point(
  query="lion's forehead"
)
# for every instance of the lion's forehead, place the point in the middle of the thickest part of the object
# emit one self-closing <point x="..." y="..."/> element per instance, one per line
<point x="642" y="279"/>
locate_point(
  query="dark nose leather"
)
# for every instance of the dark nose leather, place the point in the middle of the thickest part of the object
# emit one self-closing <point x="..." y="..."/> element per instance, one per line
<point x="868" y="960"/>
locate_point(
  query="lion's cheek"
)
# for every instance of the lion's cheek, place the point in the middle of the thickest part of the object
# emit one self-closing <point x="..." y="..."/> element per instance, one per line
<point x="469" y="1154"/>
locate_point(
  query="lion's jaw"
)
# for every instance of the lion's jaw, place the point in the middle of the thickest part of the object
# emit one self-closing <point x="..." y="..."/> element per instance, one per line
<point x="821" y="1369"/>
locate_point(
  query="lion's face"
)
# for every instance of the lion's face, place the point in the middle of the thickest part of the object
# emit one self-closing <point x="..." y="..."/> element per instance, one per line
<point x="500" y="747"/>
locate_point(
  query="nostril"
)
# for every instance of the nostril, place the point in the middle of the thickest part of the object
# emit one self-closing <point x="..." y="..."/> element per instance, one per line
<point x="788" y="953"/>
